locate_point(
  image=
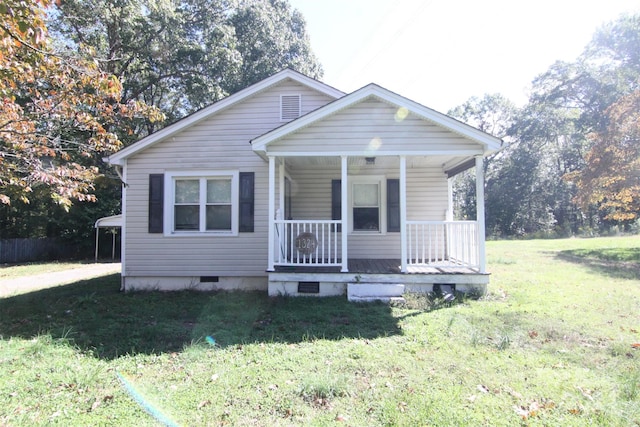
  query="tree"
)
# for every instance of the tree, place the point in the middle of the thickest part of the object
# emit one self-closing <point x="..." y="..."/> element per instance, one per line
<point x="58" y="112"/>
<point x="610" y="179"/>
<point x="183" y="55"/>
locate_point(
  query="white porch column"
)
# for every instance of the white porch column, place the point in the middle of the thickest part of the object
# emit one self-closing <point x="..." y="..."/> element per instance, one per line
<point x="272" y="212"/>
<point x="480" y="213"/>
<point x="403" y="213"/>
<point x="450" y="199"/>
<point x="344" y="187"/>
<point x="281" y="187"/>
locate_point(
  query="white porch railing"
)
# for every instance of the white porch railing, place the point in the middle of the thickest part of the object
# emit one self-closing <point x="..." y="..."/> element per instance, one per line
<point x="312" y="242"/>
<point x="443" y="243"/>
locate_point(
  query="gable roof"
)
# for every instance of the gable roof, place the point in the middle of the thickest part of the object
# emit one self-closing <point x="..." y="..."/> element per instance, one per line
<point x="119" y="157"/>
<point x="489" y="142"/>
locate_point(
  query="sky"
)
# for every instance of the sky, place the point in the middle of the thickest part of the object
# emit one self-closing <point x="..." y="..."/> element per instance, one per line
<point x="440" y="53"/>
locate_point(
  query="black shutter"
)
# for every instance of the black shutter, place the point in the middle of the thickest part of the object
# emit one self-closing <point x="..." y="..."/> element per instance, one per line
<point x="336" y="200"/>
<point x="247" y="201"/>
<point x="393" y="205"/>
<point x="156" y="202"/>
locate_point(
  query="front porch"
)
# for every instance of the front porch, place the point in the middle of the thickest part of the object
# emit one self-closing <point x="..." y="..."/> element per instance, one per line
<point x="314" y="280"/>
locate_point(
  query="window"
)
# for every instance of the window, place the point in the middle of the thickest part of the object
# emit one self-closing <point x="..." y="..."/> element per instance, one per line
<point x="202" y="203"/>
<point x="366" y="207"/>
<point x="368" y="198"/>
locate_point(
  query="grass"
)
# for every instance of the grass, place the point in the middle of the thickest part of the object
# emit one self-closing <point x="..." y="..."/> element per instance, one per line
<point x="9" y="271"/>
<point x="551" y="344"/>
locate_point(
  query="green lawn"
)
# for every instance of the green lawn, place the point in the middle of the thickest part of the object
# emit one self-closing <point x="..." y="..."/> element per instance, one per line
<point x="551" y="344"/>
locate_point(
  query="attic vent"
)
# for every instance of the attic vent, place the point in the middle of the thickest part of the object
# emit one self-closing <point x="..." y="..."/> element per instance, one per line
<point x="290" y="106"/>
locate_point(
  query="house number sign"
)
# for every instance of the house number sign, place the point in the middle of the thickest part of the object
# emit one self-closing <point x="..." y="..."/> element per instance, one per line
<point x="306" y="243"/>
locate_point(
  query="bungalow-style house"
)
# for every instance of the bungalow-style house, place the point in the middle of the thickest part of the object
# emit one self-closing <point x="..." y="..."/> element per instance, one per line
<point x="294" y="187"/>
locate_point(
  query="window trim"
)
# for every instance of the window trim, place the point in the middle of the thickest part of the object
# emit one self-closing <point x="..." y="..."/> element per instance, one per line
<point x="379" y="180"/>
<point x="202" y="175"/>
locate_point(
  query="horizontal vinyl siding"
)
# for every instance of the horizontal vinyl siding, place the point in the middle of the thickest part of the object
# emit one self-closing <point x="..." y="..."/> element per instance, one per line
<point x="371" y="127"/>
<point x="426" y="200"/>
<point x="219" y="143"/>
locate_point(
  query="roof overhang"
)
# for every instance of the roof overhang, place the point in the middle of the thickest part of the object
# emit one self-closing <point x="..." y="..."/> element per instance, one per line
<point x="119" y="157"/>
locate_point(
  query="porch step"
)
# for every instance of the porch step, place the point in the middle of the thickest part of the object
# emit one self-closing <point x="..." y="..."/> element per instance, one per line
<point x="373" y="299"/>
<point x="387" y="292"/>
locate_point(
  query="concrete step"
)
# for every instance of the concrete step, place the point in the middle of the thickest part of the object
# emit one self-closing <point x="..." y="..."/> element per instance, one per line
<point x="375" y="292"/>
<point x="398" y="300"/>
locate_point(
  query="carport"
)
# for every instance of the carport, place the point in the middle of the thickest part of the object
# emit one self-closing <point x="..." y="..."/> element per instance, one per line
<point x="114" y="221"/>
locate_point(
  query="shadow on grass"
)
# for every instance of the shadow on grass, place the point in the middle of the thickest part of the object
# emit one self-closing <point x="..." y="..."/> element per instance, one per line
<point x="100" y="319"/>
<point x="623" y="263"/>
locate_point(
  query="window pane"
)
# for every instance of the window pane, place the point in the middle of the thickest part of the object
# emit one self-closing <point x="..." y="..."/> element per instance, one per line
<point x="187" y="191"/>
<point x="219" y="191"/>
<point x="366" y="219"/>
<point x="219" y="217"/>
<point x="365" y="195"/>
<point x="187" y="217"/>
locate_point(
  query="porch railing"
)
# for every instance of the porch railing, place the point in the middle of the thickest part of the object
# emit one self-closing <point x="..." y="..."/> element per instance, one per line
<point x="312" y="242"/>
<point x="443" y="243"/>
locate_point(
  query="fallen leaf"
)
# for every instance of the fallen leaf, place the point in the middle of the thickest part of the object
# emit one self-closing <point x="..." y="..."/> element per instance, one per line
<point x="636" y="345"/>
<point x="341" y="418"/>
<point x="204" y="403"/>
<point x="483" y="388"/>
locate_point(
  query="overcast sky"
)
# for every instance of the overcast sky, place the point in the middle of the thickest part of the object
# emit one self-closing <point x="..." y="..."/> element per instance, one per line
<point x="442" y="52"/>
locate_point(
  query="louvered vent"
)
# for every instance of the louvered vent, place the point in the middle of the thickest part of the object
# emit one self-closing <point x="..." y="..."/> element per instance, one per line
<point x="290" y="106"/>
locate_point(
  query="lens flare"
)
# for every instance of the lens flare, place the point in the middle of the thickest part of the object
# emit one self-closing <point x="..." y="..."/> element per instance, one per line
<point x="401" y="114"/>
<point x="374" y="145"/>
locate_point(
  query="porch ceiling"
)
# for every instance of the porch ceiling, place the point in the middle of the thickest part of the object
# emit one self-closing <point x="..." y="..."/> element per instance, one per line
<point x="413" y="162"/>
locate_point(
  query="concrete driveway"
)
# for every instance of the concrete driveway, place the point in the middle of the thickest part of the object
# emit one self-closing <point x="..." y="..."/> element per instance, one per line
<point x="36" y="282"/>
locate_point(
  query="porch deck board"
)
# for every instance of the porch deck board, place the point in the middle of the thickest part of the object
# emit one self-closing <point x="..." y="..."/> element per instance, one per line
<point x="379" y="266"/>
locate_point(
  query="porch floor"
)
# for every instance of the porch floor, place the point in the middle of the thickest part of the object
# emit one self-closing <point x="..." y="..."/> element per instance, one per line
<point x="379" y="266"/>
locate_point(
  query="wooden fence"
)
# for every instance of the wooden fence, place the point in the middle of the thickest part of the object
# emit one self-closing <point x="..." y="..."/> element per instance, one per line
<point x="14" y="251"/>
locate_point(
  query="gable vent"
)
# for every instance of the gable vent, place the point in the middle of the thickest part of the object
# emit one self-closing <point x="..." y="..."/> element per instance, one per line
<point x="290" y="106"/>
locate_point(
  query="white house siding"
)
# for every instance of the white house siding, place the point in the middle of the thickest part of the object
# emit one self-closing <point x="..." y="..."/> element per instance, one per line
<point x="373" y="127"/>
<point x="221" y="142"/>
<point x="426" y="200"/>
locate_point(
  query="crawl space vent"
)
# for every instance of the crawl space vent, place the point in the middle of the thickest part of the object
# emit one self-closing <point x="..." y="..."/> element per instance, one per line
<point x="308" y="287"/>
<point x="209" y="279"/>
<point x="290" y="106"/>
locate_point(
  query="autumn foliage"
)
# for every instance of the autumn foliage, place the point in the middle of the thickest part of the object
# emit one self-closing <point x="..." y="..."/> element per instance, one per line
<point x="58" y="113"/>
<point x="611" y="177"/>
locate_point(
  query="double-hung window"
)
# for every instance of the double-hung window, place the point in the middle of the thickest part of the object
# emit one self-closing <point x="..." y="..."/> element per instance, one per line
<point x="202" y="202"/>
<point x="368" y="198"/>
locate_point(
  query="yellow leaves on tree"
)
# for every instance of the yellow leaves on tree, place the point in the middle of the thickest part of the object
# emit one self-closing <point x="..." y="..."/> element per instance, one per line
<point x="611" y="177"/>
<point x="55" y="111"/>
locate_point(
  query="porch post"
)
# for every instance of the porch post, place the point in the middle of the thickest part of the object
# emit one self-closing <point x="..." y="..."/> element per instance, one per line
<point x="403" y="213"/>
<point x="450" y="199"/>
<point x="281" y="187"/>
<point x="344" y="187"/>
<point x="480" y="213"/>
<point x="272" y="212"/>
